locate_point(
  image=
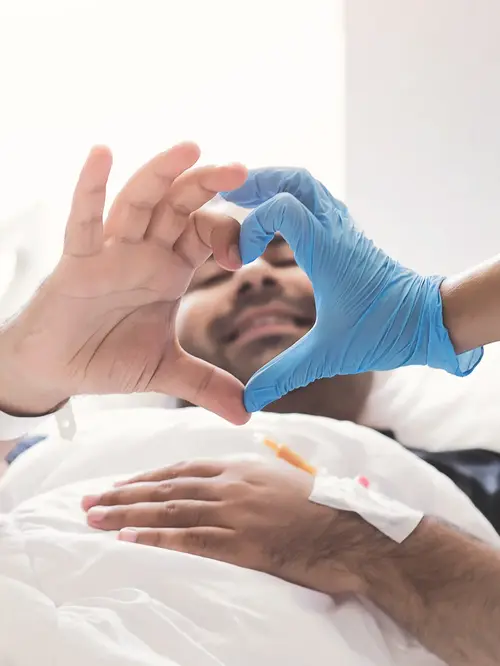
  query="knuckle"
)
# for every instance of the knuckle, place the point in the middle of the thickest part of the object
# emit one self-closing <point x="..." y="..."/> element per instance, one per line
<point x="97" y="190"/>
<point x="198" y="542"/>
<point x="169" y="511"/>
<point x="123" y="517"/>
<point x="286" y="205"/>
<point x="116" y="517"/>
<point x="195" y="519"/>
<point x="300" y="178"/>
<point x="141" y="206"/>
<point x="89" y="221"/>
<point x="204" y="383"/>
<point x="155" y="475"/>
<point x="180" y="208"/>
<point x="237" y="494"/>
<point x="201" y="492"/>
<point x="151" y="537"/>
<point x="166" y="487"/>
<point x="158" y="493"/>
<point x="111" y="497"/>
<point x="230" y="488"/>
<point x="285" y="199"/>
<point x="175" y="470"/>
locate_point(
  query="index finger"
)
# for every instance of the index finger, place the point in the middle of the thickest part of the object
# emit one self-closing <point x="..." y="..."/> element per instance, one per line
<point x="263" y="184"/>
<point x="288" y="216"/>
<point x="83" y="236"/>
<point x="132" y="209"/>
<point x="191" y="468"/>
<point x="193" y="189"/>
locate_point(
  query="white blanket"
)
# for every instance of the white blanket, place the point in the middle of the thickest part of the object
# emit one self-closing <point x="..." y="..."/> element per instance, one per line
<point x="72" y="595"/>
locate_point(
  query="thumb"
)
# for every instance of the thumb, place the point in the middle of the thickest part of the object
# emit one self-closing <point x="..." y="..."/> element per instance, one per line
<point x="295" y="367"/>
<point x="202" y="384"/>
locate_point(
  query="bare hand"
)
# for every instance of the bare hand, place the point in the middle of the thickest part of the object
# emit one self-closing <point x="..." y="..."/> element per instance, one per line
<point x="250" y="514"/>
<point x="104" y="321"/>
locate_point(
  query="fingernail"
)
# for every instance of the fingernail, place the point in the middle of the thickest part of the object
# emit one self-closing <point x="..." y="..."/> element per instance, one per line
<point x="234" y="255"/>
<point x="97" y="513"/>
<point x="117" y="484"/>
<point x="128" y="534"/>
<point x="89" y="501"/>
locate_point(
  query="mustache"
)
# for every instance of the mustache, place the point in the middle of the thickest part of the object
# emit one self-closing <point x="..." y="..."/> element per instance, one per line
<point x="303" y="307"/>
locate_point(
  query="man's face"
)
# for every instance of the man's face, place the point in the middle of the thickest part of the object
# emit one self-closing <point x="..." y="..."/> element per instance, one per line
<point x="240" y="321"/>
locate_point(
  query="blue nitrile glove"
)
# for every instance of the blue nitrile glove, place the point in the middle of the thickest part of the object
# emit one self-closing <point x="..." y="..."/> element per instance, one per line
<point x="372" y="313"/>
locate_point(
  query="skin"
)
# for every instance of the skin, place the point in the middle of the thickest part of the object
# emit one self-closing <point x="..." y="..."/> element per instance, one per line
<point x="442" y="586"/>
<point x="470" y="306"/>
<point x="219" y="307"/>
<point x="439" y="585"/>
<point x="105" y="320"/>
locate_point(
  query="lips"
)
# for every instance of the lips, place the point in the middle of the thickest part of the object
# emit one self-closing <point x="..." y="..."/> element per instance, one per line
<point x="260" y="323"/>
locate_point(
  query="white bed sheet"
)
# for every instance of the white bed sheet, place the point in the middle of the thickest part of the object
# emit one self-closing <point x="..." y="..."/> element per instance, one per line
<point x="72" y="595"/>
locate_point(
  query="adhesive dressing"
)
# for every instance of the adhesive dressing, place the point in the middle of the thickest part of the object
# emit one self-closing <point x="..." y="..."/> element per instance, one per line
<point x="392" y="518"/>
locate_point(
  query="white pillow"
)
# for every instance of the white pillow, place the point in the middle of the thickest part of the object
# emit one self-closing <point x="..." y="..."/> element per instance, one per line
<point x="432" y="410"/>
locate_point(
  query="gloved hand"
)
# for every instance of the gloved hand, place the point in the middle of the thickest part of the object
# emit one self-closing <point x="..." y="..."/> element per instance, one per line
<point x="372" y="313"/>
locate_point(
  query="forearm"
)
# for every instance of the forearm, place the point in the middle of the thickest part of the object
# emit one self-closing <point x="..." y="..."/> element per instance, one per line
<point x="443" y="587"/>
<point x="471" y="306"/>
<point x="20" y="398"/>
<point x="20" y="391"/>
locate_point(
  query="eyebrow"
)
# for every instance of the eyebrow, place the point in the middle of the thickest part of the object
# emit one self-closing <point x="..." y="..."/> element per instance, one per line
<point x="277" y="241"/>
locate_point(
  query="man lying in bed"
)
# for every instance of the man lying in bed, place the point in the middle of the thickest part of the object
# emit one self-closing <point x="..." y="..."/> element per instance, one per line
<point x="239" y="321"/>
<point x="104" y="322"/>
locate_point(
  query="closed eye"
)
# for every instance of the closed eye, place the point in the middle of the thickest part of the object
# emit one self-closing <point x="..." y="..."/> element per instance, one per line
<point x="213" y="280"/>
<point x="283" y="263"/>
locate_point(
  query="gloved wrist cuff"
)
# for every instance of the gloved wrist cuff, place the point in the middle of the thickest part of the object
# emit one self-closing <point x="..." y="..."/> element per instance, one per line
<point x="440" y="351"/>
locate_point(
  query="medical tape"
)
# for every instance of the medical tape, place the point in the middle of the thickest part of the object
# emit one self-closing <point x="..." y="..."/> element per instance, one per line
<point x="394" y="519"/>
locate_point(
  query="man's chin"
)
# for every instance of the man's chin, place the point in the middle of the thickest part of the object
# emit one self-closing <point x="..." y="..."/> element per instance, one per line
<point x="254" y="356"/>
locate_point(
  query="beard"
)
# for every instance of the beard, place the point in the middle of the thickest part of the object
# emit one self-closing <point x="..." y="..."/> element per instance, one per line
<point x="243" y="361"/>
<point x="252" y="357"/>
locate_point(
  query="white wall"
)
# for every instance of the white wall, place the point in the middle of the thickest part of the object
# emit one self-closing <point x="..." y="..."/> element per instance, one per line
<point x="422" y="163"/>
<point x="423" y="127"/>
<point x="259" y="82"/>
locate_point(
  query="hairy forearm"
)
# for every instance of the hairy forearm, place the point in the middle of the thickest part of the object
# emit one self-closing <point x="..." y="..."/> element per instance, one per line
<point x="471" y="306"/>
<point x="444" y="588"/>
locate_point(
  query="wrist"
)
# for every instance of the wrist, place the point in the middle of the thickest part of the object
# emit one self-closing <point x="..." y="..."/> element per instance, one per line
<point x="368" y="563"/>
<point x="439" y="331"/>
<point x="22" y="400"/>
<point x="30" y="406"/>
<point x="346" y="556"/>
<point x="21" y="395"/>
<point x="455" y="313"/>
<point x="471" y="306"/>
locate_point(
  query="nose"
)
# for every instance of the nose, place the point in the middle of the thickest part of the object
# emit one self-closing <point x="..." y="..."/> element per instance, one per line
<point x="257" y="282"/>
